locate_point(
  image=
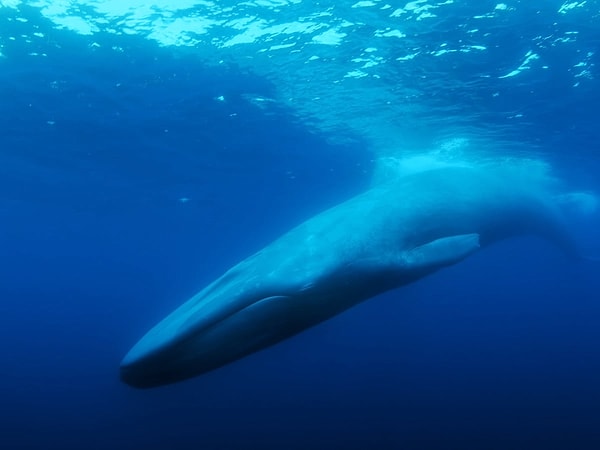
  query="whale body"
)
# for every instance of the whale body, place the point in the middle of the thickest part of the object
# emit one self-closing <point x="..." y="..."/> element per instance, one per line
<point x="386" y="237"/>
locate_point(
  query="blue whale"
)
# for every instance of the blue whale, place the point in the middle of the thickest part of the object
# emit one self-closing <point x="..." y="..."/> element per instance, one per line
<point x="389" y="236"/>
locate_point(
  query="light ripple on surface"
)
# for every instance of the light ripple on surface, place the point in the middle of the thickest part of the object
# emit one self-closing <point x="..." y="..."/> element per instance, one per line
<point x="320" y="58"/>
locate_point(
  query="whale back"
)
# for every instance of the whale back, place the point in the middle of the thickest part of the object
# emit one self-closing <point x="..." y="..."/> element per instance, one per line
<point x="496" y="203"/>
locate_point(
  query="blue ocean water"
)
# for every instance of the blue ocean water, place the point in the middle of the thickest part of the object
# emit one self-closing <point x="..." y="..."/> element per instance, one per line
<point x="145" y="149"/>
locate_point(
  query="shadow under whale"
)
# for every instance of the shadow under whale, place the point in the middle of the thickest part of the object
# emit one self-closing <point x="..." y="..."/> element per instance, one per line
<point x="386" y="237"/>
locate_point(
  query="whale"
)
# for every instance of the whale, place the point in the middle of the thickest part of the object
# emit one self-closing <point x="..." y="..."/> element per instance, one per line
<point x="393" y="234"/>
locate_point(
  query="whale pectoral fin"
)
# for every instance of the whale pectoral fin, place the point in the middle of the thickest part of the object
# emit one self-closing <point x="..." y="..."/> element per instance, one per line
<point x="443" y="251"/>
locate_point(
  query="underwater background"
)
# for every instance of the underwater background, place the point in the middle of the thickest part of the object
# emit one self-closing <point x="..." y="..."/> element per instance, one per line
<point x="146" y="147"/>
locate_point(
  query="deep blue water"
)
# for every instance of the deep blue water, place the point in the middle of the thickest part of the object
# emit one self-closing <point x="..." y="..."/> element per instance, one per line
<point x="143" y="189"/>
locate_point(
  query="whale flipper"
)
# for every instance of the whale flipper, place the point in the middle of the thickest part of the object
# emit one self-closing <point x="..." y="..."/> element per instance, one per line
<point x="443" y="251"/>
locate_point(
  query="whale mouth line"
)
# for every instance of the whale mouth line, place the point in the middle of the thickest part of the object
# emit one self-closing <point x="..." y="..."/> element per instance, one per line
<point x="150" y="369"/>
<point x="191" y="332"/>
<point x="208" y="327"/>
<point x="219" y="320"/>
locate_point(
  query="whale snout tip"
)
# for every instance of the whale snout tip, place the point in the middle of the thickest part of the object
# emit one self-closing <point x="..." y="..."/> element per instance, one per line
<point x="140" y="375"/>
<point x="128" y="376"/>
<point x="133" y="379"/>
<point x="131" y="373"/>
<point x="153" y="362"/>
<point x="139" y="369"/>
